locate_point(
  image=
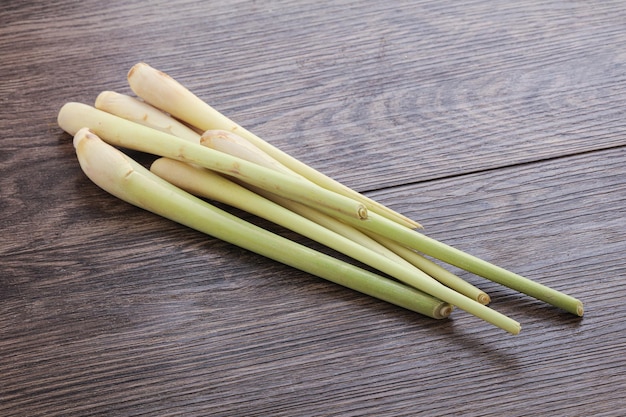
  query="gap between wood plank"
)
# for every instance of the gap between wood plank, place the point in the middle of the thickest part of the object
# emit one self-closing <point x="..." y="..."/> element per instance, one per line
<point x="484" y="170"/>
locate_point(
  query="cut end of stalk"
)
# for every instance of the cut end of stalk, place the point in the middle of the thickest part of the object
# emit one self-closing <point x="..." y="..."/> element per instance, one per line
<point x="443" y="311"/>
<point x="136" y="67"/>
<point x="483" y="298"/>
<point x="83" y="134"/>
<point x="66" y="118"/>
<point x="580" y="309"/>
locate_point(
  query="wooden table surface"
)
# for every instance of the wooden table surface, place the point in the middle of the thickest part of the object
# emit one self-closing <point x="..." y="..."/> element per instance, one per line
<point x="500" y="126"/>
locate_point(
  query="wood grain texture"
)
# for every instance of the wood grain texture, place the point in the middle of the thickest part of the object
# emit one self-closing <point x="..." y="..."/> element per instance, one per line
<point x="498" y="125"/>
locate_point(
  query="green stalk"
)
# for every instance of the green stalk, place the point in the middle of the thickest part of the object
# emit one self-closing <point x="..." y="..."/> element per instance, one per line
<point x="210" y="185"/>
<point x="124" y="178"/>
<point x="394" y="237"/>
<point x="434" y="270"/>
<point x="135" y="110"/>
<point x="385" y="247"/>
<point x="431" y="247"/>
<point x="121" y="132"/>
<point x="132" y="109"/>
<point x="379" y="225"/>
<point x="165" y="93"/>
<point x="237" y="146"/>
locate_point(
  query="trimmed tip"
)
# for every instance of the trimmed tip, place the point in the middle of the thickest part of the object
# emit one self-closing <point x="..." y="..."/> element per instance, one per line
<point x="66" y="118"/>
<point x="483" y="298"/>
<point x="83" y="134"/>
<point x="104" y="97"/>
<point x="142" y="67"/>
<point x="135" y="68"/>
<point x="580" y="310"/>
<point x="444" y="310"/>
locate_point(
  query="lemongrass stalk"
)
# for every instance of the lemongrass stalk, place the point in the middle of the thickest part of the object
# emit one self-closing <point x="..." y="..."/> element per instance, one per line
<point x="210" y="185"/>
<point x="439" y="250"/>
<point x="165" y="93"/>
<point x="433" y="269"/>
<point x="228" y="142"/>
<point x="390" y="235"/>
<point x="141" y="112"/>
<point x="235" y="145"/>
<point x="119" y="175"/>
<point x="289" y="214"/>
<point x="333" y="224"/>
<point x="294" y="216"/>
<point x="121" y="132"/>
<point x="383" y="246"/>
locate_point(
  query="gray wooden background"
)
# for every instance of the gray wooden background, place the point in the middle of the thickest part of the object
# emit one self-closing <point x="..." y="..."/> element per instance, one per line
<point x="500" y="126"/>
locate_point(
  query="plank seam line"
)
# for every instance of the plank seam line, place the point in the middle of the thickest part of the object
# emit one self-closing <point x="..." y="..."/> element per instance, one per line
<point x="495" y="168"/>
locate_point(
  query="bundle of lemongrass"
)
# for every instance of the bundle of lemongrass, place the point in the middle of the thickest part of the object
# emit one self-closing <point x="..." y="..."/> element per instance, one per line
<point x="229" y="164"/>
